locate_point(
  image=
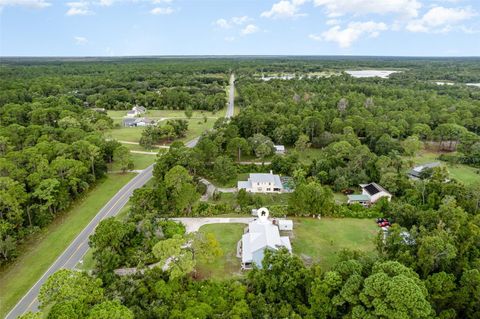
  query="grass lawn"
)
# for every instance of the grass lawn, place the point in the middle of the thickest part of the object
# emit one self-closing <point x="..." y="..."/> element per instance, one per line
<point x="157" y="114"/>
<point x="340" y="198"/>
<point x="464" y="173"/>
<point x="323" y="239"/>
<point x="307" y="156"/>
<point x="228" y="264"/>
<point x="196" y="127"/>
<point x="265" y="199"/>
<point x="129" y="134"/>
<point x="43" y="248"/>
<point x="133" y="134"/>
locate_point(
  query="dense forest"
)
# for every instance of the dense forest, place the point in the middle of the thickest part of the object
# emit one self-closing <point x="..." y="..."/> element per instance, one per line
<point x="361" y="130"/>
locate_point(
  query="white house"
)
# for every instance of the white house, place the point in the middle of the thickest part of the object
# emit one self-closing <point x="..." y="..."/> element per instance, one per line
<point x="262" y="235"/>
<point x="416" y="172"/>
<point x="143" y="121"/>
<point x="136" y="111"/>
<point x="279" y="149"/>
<point x="370" y="194"/>
<point x="262" y="183"/>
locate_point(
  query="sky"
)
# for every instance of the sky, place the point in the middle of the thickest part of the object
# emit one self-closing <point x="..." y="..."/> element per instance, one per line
<point x="234" y="27"/>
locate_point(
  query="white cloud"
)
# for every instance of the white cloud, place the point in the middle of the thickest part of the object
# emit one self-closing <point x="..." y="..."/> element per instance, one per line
<point x="161" y="1"/>
<point x="333" y="22"/>
<point x="37" y="4"/>
<point x="80" y="40"/>
<point x="106" y="3"/>
<point x="162" y="11"/>
<point x="239" y="20"/>
<point x="440" y="19"/>
<point x="249" y="29"/>
<point x="229" y="39"/>
<point x="78" y="8"/>
<point x="227" y="24"/>
<point x="222" y="23"/>
<point x="403" y="8"/>
<point x="284" y="9"/>
<point x="344" y="38"/>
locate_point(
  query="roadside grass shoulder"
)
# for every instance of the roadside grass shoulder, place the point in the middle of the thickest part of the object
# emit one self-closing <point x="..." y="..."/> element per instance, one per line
<point x="41" y="250"/>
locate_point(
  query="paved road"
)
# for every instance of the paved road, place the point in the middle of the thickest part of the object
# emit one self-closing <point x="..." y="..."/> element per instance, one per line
<point x="231" y="97"/>
<point x="79" y="247"/>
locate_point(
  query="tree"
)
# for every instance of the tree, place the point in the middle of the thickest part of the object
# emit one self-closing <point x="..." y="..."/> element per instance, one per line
<point x="224" y="169"/>
<point x="188" y="112"/>
<point x="342" y="104"/>
<point x="312" y="199"/>
<point x="70" y="286"/>
<point x="393" y="291"/>
<point x="302" y="143"/>
<point x="110" y="310"/>
<point x="411" y="145"/>
<point x="123" y="157"/>
<point x="262" y="145"/>
<point x="183" y="193"/>
<point x="236" y="146"/>
<point x="174" y="256"/>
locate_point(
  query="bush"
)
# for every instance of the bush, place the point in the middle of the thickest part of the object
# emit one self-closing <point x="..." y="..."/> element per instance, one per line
<point x="355" y="211"/>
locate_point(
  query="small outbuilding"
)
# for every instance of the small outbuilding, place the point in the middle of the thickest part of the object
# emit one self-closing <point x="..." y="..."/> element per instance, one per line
<point x="285" y="224"/>
<point x="418" y="172"/>
<point x="279" y="149"/>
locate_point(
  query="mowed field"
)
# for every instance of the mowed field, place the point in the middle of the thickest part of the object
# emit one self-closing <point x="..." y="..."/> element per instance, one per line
<point x="228" y="264"/>
<point x="322" y="239"/>
<point x="38" y="253"/>
<point x="467" y="174"/>
<point x="133" y="134"/>
<point x="315" y="240"/>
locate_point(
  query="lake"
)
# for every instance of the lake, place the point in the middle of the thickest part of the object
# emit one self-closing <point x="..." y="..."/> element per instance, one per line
<point x="384" y="74"/>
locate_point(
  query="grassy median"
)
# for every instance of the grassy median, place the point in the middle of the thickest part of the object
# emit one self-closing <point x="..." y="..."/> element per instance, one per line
<point x="42" y="249"/>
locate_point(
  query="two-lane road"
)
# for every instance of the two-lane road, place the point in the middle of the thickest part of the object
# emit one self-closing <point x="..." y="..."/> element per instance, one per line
<point x="231" y="98"/>
<point x="79" y="247"/>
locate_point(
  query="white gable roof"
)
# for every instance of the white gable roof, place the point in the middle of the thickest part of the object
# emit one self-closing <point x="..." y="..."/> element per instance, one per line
<point x="262" y="234"/>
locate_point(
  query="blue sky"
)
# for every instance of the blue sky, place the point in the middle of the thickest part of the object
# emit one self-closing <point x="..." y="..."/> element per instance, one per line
<point x="231" y="27"/>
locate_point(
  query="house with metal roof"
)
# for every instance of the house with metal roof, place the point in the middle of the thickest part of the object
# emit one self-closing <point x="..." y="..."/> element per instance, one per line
<point x="262" y="234"/>
<point x="139" y="121"/>
<point x="370" y="194"/>
<point x="136" y="111"/>
<point x="262" y="183"/>
<point x="418" y="171"/>
<point x="279" y="149"/>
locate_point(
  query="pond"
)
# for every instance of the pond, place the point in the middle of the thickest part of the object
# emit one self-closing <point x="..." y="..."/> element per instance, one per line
<point x="384" y="74"/>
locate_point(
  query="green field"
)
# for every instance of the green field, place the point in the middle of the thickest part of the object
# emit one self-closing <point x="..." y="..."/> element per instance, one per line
<point x="228" y="264"/>
<point x="318" y="240"/>
<point x="133" y="134"/>
<point x="265" y="199"/>
<point x="464" y="173"/>
<point x="307" y="156"/>
<point x="158" y="114"/>
<point x="42" y="249"/>
<point x="321" y="240"/>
